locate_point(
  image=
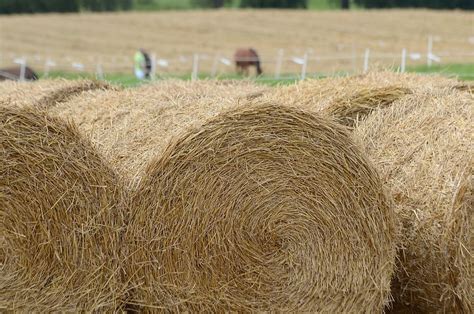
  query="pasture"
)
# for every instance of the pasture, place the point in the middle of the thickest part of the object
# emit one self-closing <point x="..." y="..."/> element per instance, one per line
<point x="332" y="41"/>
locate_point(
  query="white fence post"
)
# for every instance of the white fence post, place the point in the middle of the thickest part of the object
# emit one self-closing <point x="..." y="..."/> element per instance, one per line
<point x="194" y="74"/>
<point x="47" y="65"/>
<point x="404" y="60"/>
<point x="99" y="73"/>
<point x="304" y="66"/>
<point x="279" y="62"/>
<point x="22" y="63"/>
<point x="366" y="60"/>
<point x="22" y="70"/>
<point x="429" y="53"/>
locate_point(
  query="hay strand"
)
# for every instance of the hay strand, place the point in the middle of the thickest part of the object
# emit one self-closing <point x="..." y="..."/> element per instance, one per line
<point x="350" y="109"/>
<point x="65" y="93"/>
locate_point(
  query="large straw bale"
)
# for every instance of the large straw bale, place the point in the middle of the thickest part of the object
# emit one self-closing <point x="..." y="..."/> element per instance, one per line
<point x="423" y="147"/>
<point x="59" y="223"/>
<point x="261" y="208"/>
<point x="46" y="92"/>
<point x="133" y="125"/>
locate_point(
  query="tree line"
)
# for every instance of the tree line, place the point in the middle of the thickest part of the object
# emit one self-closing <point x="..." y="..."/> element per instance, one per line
<point x="41" y="6"/>
<point x="431" y="4"/>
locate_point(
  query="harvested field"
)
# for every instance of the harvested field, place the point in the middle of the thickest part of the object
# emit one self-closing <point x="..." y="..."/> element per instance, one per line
<point x="112" y="38"/>
<point x="60" y="222"/>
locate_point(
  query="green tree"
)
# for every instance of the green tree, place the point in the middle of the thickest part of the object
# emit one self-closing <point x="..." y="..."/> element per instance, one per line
<point x="432" y="4"/>
<point x="110" y="5"/>
<point x="38" y="6"/>
<point x="126" y="4"/>
<point x="210" y="3"/>
<point x="302" y="4"/>
<point x="93" y="5"/>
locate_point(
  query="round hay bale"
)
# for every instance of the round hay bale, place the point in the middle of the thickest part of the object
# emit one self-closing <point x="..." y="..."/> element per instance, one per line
<point x="59" y="224"/>
<point x="264" y="208"/>
<point x="423" y="147"/>
<point x="46" y="92"/>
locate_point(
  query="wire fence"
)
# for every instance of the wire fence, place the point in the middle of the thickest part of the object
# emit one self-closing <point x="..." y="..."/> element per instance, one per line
<point x="281" y="66"/>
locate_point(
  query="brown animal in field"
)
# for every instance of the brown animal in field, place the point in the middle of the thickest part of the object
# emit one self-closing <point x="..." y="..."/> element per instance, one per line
<point x="245" y="58"/>
<point x="14" y="73"/>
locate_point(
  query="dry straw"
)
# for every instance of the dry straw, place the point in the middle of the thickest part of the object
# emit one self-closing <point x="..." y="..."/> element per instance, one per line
<point x="59" y="220"/>
<point x="46" y="92"/>
<point x="352" y="108"/>
<point x="132" y="126"/>
<point x="423" y="147"/>
<point x="263" y="208"/>
<point x="321" y="94"/>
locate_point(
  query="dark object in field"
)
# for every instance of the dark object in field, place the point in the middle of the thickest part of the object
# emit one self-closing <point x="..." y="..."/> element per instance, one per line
<point x="15" y="73"/>
<point x="244" y="58"/>
<point x="143" y="64"/>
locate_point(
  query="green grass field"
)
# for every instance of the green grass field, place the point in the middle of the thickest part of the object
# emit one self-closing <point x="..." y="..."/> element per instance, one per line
<point x="461" y="71"/>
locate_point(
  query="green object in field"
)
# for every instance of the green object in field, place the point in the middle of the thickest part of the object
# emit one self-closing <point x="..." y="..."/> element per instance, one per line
<point x="140" y="64"/>
<point x="139" y="61"/>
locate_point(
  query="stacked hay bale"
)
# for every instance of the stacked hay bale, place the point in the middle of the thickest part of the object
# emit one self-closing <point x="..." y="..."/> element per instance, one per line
<point x="239" y="205"/>
<point x="60" y="222"/>
<point x="423" y="147"/>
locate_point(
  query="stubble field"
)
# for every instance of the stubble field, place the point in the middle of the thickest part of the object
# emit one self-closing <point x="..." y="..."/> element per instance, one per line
<point x="332" y="40"/>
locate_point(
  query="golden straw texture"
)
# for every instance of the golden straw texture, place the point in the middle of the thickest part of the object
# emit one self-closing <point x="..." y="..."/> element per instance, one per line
<point x="46" y="92"/>
<point x="132" y="126"/>
<point x="263" y="208"/>
<point x="318" y="94"/>
<point x="352" y="108"/>
<point x="59" y="221"/>
<point x="423" y="147"/>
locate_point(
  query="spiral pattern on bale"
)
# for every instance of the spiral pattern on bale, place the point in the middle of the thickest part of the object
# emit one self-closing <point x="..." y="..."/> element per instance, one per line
<point x="261" y="208"/>
<point x="59" y="227"/>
